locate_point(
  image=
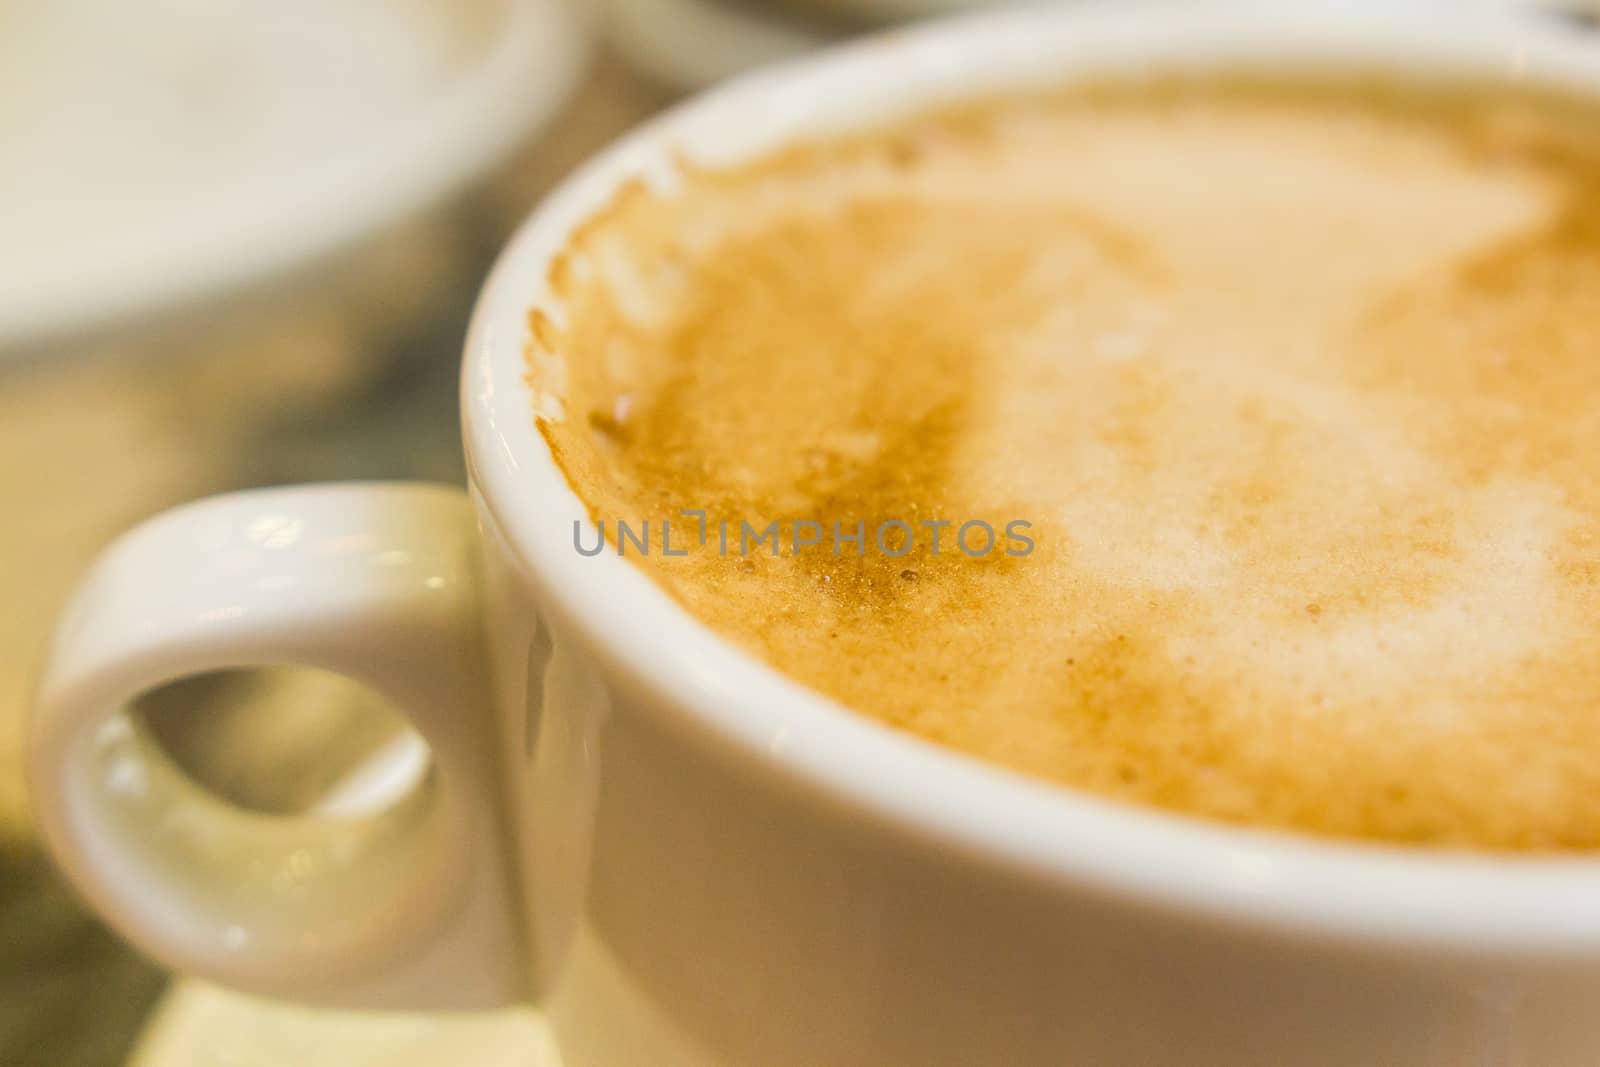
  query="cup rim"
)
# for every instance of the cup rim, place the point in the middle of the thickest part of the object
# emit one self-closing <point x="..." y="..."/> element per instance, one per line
<point x="1268" y="880"/>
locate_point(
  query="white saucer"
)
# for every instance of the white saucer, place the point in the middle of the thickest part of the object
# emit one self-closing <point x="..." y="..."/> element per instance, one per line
<point x="198" y="1025"/>
<point x="169" y="153"/>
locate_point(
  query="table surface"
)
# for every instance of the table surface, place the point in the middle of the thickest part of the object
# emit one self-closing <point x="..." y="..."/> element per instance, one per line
<point x="361" y="384"/>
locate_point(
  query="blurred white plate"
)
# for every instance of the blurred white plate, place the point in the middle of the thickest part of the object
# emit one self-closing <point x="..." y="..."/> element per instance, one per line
<point x="890" y="10"/>
<point x="200" y="1025"/>
<point x="687" y="44"/>
<point x="162" y="154"/>
<point x="896" y="10"/>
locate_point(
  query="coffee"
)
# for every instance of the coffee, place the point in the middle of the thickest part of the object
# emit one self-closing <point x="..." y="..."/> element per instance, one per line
<point x="1294" y="384"/>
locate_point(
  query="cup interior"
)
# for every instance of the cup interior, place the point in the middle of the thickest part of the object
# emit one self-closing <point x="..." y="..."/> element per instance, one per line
<point x="643" y="639"/>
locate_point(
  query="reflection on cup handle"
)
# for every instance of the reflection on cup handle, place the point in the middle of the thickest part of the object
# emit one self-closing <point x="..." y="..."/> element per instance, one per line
<point x="408" y="907"/>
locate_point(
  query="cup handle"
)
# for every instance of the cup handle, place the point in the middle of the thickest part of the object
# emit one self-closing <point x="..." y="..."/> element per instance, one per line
<point x="409" y="907"/>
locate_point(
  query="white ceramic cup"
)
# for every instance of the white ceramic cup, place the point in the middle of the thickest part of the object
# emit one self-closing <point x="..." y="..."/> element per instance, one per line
<point x="687" y="859"/>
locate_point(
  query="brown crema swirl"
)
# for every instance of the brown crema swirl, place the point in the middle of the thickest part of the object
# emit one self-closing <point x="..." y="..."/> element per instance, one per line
<point x="1297" y="382"/>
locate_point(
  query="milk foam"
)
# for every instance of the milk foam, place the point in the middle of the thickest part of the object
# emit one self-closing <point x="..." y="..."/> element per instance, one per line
<point x="1296" y="383"/>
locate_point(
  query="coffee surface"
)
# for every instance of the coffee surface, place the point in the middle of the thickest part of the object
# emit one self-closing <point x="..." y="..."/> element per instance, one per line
<point x="1297" y="385"/>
